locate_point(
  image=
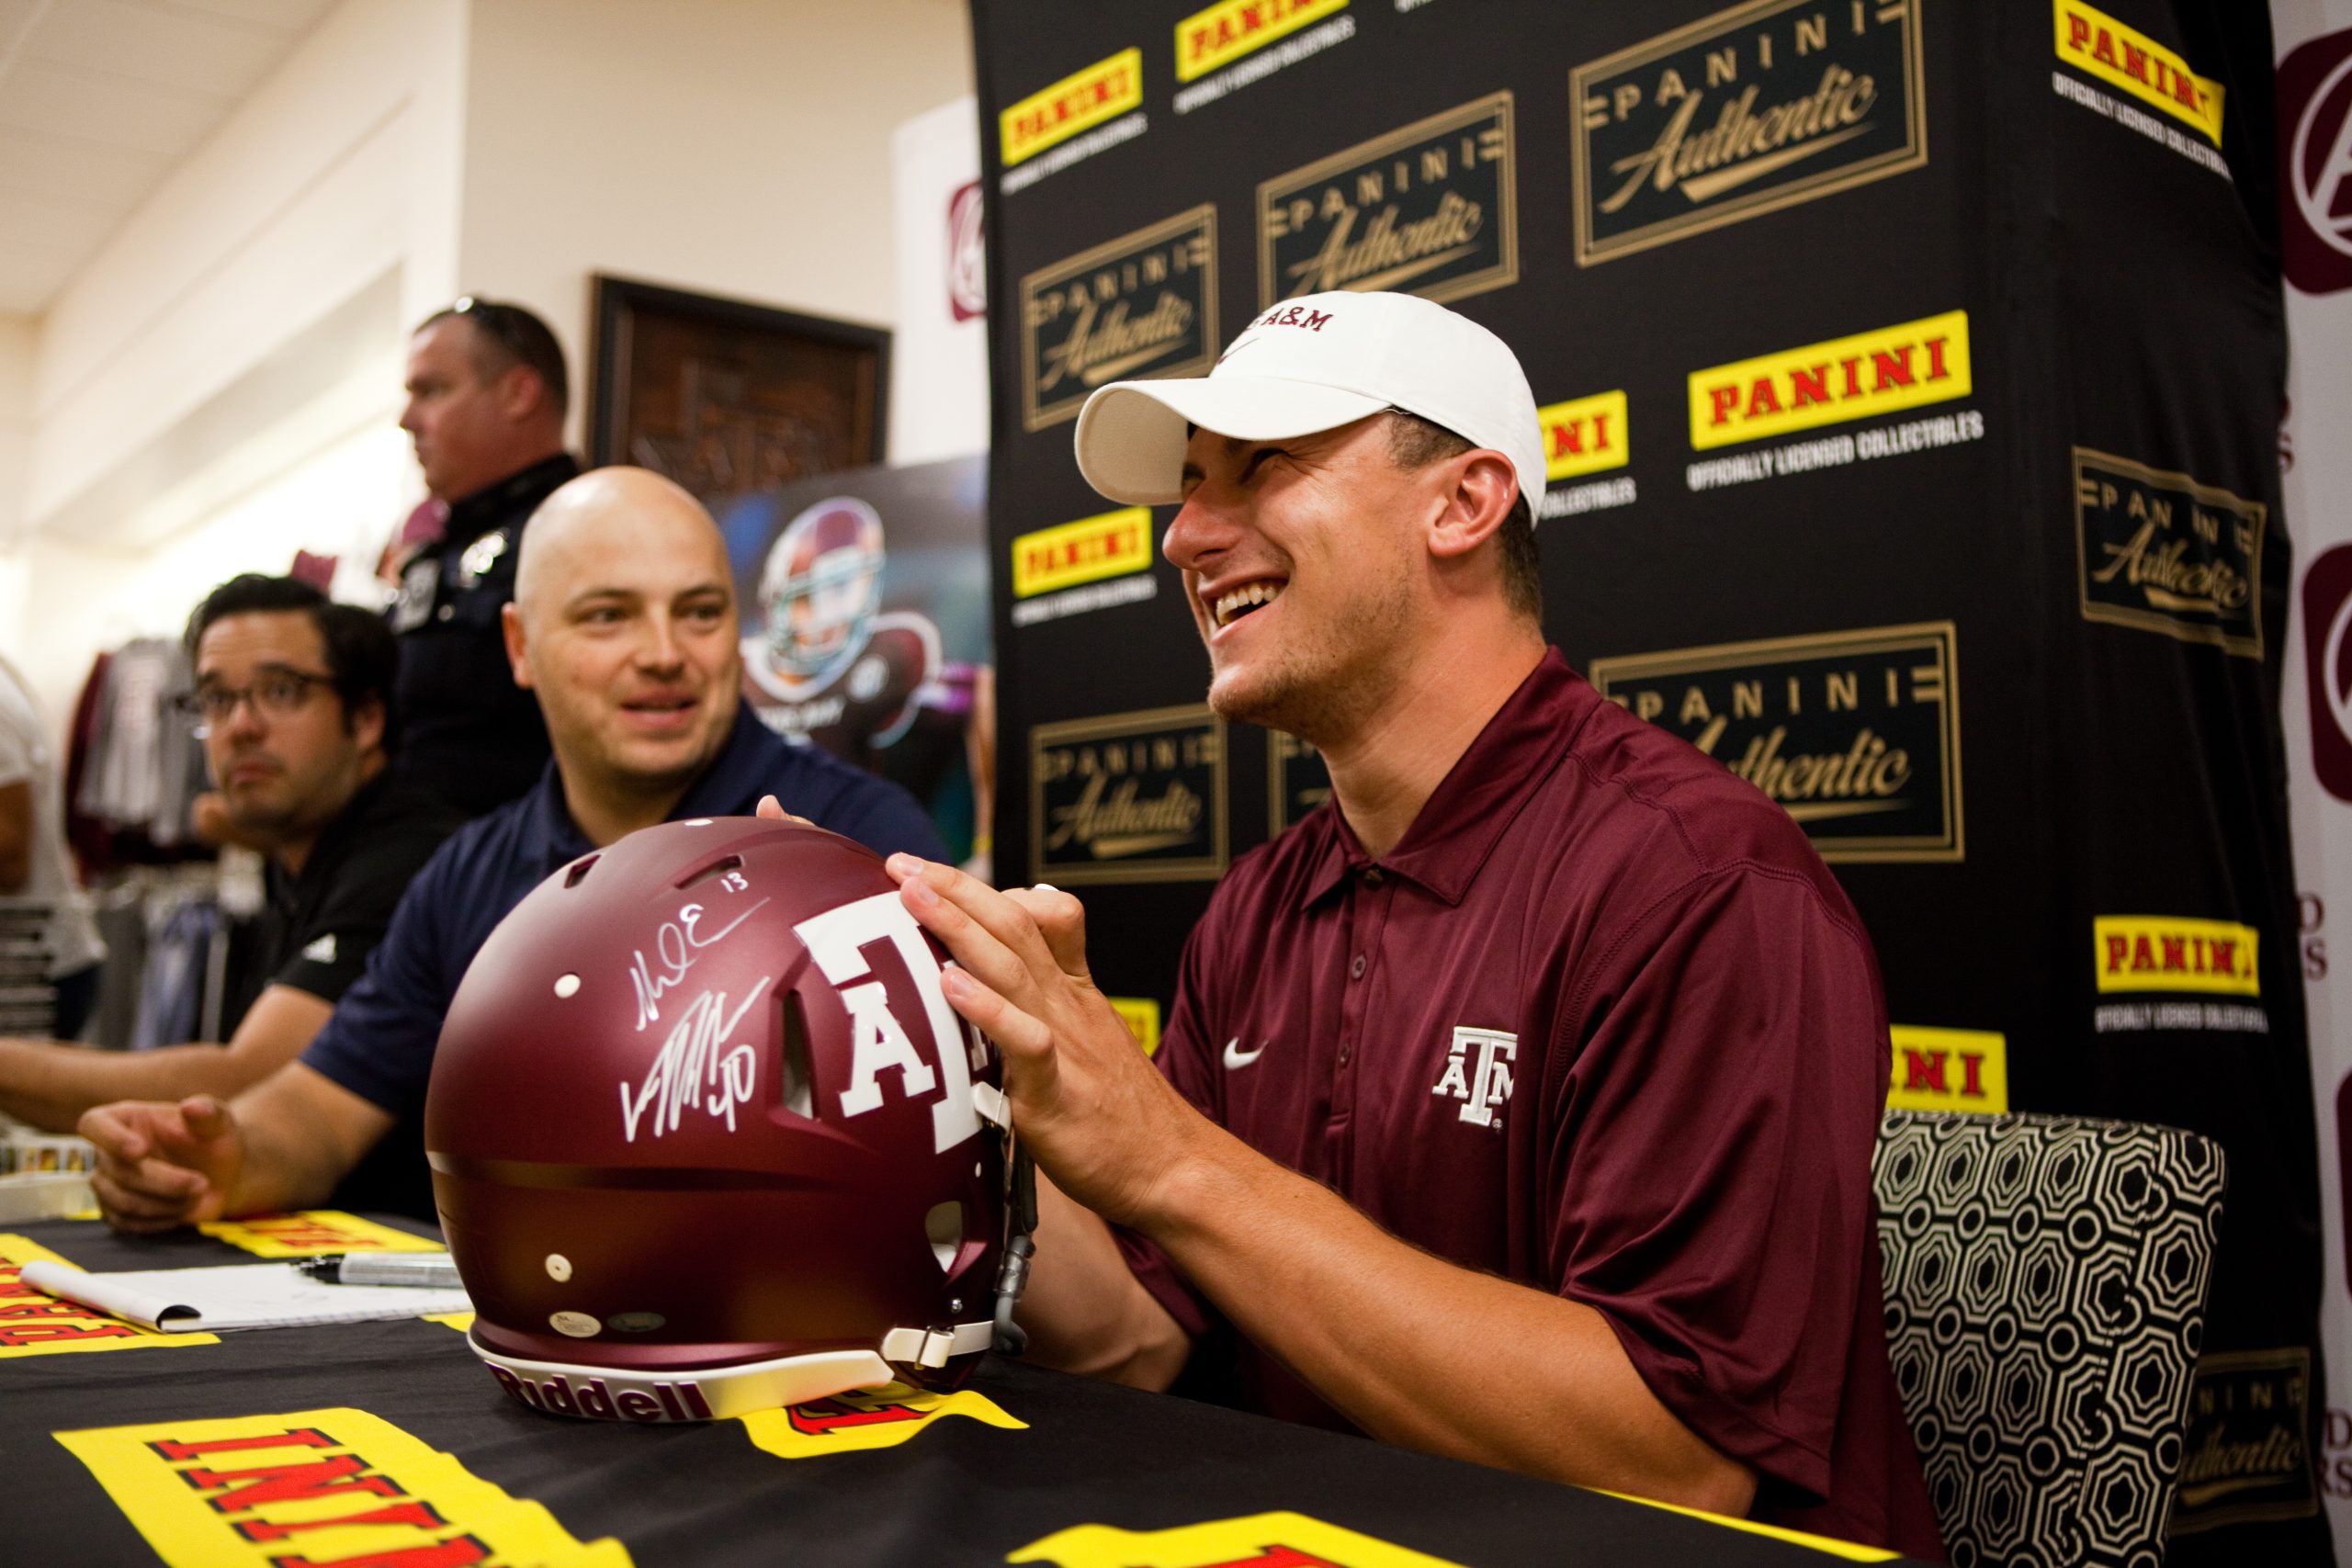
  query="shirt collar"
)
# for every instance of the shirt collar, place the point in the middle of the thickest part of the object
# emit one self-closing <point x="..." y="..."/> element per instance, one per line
<point x="497" y="503"/>
<point x="327" y="848"/>
<point x="728" y="788"/>
<point x="1480" y="796"/>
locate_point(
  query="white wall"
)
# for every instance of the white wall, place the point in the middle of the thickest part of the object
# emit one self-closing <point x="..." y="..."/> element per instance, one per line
<point x="731" y="147"/>
<point x="939" y="366"/>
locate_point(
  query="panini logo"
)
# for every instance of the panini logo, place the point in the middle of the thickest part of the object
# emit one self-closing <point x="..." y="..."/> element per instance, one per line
<point x="1430" y="208"/>
<point x="33" y="1322"/>
<point x="1260" y="1540"/>
<point x="1854" y="734"/>
<point x="317" y="1487"/>
<point x="1584" y="435"/>
<point x="2162" y="553"/>
<point x="1088" y="550"/>
<point x="2246" y="1458"/>
<point x="2098" y="45"/>
<point x="313" y="1232"/>
<point x="1128" y="797"/>
<point x="1949" y="1069"/>
<point x="1223" y="34"/>
<point x="872" y="1418"/>
<point x="1144" y="304"/>
<point x="1742" y="113"/>
<point x="1846" y="378"/>
<point x="2162" y="952"/>
<point x="1080" y="101"/>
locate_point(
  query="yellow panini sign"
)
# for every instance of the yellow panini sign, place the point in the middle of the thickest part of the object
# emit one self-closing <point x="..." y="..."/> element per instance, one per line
<point x="1088" y="550"/>
<point x="1949" y="1069"/>
<point x="1860" y="377"/>
<point x="313" y="1232"/>
<point x="1080" y="101"/>
<point x="1584" y="435"/>
<point x="2170" y="952"/>
<point x="1224" y="33"/>
<point x="321" y="1486"/>
<point x="2098" y="45"/>
<point x="1260" y="1540"/>
<point x="34" y="1324"/>
<point x="877" y="1418"/>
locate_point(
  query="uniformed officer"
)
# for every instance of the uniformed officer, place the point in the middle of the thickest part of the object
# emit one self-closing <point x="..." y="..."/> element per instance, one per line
<point x="487" y="392"/>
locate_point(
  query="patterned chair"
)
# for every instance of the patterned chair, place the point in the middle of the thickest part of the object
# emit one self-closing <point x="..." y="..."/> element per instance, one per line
<point x="2045" y="1298"/>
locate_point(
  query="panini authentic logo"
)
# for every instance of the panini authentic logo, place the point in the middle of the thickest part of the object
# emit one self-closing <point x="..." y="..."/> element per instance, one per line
<point x="2098" y="45"/>
<point x="1088" y="550"/>
<point x="1224" y="33"/>
<point x="1144" y="304"/>
<point x="2247" y="1456"/>
<point x="1742" y="113"/>
<point x="1860" y="377"/>
<point x="1949" y="1069"/>
<point x="1128" y="797"/>
<point x="1855" y="734"/>
<point x="1079" y="102"/>
<point x="317" y="1487"/>
<point x="1584" y="435"/>
<point x="1296" y="780"/>
<point x="1430" y="209"/>
<point x="2167" y="952"/>
<point x="2163" y="553"/>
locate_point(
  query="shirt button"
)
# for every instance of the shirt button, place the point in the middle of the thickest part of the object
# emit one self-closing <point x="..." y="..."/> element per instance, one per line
<point x="1355" y="970"/>
<point x="1371" y="877"/>
<point x="446" y="611"/>
<point x="1343" y="1056"/>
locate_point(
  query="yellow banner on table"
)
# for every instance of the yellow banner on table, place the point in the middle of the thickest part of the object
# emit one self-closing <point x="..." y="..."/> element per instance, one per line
<point x="1295" y="1540"/>
<point x="320" y="1487"/>
<point x="313" y="1232"/>
<point x="35" y="1323"/>
<point x="2098" y="45"/>
<point x="877" y="1418"/>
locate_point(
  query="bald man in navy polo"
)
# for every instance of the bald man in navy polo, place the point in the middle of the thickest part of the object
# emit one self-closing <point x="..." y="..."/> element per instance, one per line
<point x="1517" y="1104"/>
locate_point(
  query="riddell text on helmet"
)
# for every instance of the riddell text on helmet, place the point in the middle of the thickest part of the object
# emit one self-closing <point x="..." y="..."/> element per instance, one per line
<point x="680" y="1401"/>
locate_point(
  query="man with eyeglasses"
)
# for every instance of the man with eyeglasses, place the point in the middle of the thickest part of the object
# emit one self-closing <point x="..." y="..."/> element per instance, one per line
<point x="293" y="695"/>
<point x="487" y="392"/>
<point x="623" y="625"/>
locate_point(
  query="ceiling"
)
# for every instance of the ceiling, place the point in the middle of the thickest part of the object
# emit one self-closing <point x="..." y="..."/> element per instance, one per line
<point x="100" y="100"/>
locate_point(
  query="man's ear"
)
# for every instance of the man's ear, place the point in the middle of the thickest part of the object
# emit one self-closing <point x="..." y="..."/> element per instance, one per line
<point x="510" y="625"/>
<point x="521" y="392"/>
<point x="368" y="724"/>
<point x="1480" y="489"/>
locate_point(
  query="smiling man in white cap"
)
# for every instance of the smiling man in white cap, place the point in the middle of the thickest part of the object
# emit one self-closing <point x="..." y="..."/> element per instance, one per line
<point x="1517" y="1104"/>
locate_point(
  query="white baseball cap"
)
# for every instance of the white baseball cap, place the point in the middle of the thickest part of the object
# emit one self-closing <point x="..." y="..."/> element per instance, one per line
<point x="1312" y="364"/>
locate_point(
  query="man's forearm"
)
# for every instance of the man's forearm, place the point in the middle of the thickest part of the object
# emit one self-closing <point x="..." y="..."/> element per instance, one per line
<point x="1397" y="1339"/>
<point x="48" y="1086"/>
<point x="1085" y="1312"/>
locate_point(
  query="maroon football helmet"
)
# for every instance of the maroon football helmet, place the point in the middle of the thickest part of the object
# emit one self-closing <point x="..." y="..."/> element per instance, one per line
<point x="707" y="1138"/>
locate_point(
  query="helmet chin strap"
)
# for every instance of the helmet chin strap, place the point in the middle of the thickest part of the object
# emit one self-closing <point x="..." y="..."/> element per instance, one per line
<point x="1012" y="1339"/>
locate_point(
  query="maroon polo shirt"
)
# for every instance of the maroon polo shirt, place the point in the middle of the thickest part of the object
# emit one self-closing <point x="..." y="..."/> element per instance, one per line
<point x="1602" y="1023"/>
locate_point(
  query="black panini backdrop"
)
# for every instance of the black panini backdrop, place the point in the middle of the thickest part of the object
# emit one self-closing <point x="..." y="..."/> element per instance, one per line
<point x="1911" y="374"/>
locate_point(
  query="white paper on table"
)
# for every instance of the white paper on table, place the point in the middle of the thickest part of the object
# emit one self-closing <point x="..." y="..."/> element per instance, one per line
<point x="234" y="1295"/>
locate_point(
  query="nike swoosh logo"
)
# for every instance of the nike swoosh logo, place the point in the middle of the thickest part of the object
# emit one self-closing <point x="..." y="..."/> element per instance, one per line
<point x="1235" y="1057"/>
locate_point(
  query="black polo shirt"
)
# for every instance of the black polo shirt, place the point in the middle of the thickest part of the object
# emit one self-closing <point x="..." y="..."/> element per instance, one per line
<point x="468" y="733"/>
<point x="322" y="922"/>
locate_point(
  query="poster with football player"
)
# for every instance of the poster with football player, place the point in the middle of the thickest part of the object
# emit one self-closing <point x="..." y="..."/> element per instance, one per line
<point x="866" y="629"/>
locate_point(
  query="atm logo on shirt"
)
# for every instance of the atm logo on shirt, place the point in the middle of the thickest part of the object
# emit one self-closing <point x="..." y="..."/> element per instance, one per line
<point x="317" y="1486"/>
<point x="1477" y="1073"/>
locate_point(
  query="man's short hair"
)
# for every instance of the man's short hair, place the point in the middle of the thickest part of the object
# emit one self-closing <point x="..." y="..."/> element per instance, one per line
<point x="1414" y="444"/>
<point x="510" y="335"/>
<point x="362" y="659"/>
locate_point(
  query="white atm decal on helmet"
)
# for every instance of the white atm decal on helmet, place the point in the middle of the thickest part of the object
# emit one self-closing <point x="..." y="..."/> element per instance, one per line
<point x="878" y="1039"/>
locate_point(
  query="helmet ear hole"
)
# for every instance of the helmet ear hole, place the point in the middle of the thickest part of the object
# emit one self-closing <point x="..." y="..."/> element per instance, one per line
<point x="580" y="869"/>
<point x="944" y="1228"/>
<point x="797" y="1088"/>
<point x="715" y="868"/>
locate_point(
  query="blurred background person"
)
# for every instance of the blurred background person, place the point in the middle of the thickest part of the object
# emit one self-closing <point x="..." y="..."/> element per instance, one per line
<point x="33" y="862"/>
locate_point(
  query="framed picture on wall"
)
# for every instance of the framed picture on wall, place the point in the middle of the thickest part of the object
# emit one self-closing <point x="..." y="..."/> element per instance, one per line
<point x="726" y="397"/>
